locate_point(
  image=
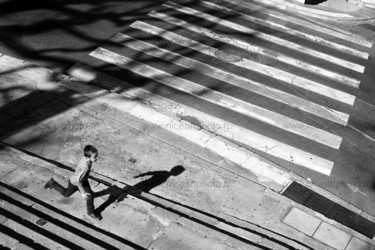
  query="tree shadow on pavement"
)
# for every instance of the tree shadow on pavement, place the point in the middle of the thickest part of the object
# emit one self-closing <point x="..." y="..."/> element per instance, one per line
<point x="61" y="33"/>
<point x="118" y="195"/>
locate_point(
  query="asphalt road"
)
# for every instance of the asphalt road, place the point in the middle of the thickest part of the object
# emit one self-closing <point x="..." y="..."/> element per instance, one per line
<point x="58" y="34"/>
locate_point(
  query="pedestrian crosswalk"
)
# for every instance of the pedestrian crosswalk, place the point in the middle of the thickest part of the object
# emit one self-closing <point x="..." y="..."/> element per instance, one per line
<point x="274" y="17"/>
<point x="264" y="36"/>
<point x="213" y="42"/>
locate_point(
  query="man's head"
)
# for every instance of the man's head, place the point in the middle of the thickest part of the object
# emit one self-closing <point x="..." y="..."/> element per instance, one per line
<point x="90" y="152"/>
<point x="177" y="170"/>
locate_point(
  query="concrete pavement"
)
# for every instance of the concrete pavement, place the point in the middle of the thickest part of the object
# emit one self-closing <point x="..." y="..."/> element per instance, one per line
<point x="134" y="223"/>
<point x="213" y="202"/>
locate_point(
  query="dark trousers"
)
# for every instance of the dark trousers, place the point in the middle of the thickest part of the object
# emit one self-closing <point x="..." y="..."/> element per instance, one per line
<point x="71" y="189"/>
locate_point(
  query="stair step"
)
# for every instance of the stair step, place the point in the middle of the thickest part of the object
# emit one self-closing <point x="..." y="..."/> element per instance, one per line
<point x="64" y="226"/>
<point x="51" y="234"/>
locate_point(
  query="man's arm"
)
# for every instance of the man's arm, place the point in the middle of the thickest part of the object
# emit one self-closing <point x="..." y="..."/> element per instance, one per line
<point x="144" y="174"/>
<point x="80" y="176"/>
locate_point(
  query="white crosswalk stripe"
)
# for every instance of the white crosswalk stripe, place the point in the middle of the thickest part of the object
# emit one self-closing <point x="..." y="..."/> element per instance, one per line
<point x="338" y="61"/>
<point x="253" y="48"/>
<point x="244" y="134"/>
<point x="340" y="34"/>
<point x="248" y="64"/>
<point x="221" y="99"/>
<point x="239" y="81"/>
<point x="217" y="125"/>
<point x="260" y="34"/>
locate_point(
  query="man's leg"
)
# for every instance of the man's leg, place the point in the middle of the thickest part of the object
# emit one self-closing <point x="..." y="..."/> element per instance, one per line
<point x="71" y="189"/>
<point x="90" y="200"/>
<point x="64" y="191"/>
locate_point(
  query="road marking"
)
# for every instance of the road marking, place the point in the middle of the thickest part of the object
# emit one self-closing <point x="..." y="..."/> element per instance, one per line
<point x="214" y="124"/>
<point x="253" y="48"/>
<point x="242" y="82"/>
<point x="227" y="150"/>
<point x="345" y="35"/>
<point x="260" y="34"/>
<point x="315" y="39"/>
<point x="250" y="65"/>
<point x="221" y="99"/>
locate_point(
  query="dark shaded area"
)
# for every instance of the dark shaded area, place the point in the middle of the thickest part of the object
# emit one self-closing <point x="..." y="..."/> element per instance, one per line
<point x="368" y="26"/>
<point x="329" y="209"/>
<point x="314" y="2"/>
<point x="63" y="29"/>
<point x="43" y="31"/>
<point x="157" y="179"/>
<point x="57" y="222"/>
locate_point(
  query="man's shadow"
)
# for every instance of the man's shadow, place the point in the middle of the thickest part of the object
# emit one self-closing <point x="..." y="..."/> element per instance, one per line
<point x="118" y="195"/>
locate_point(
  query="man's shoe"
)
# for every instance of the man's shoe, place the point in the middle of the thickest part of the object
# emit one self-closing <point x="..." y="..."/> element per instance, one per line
<point x="95" y="216"/>
<point x="48" y="185"/>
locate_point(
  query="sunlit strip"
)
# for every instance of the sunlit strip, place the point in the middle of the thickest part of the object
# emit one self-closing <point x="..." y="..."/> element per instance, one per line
<point x="345" y="35"/>
<point x="242" y="82"/>
<point x="256" y="49"/>
<point x="257" y="33"/>
<point x="208" y="122"/>
<point x="250" y="65"/>
<point x="221" y="99"/>
<point x="315" y="39"/>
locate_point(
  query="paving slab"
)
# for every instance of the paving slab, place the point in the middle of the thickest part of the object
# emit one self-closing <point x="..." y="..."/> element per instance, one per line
<point x="332" y="236"/>
<point x="302" y="221"/>
<point x="7" y="241"/>
<point x="82" y="227"/>
<point x="55" y="227"/>
<point x="36" y="237"/>
<point x="256" y="241"/>
<point x="357" y="244"/>
<point x="7" y="164"/>
<point x="2" y="218"/>
<point x="131" y="219"/>
<point x="164" y="135"/>
<point x="178" y="237"/>
<point x="164" y="216"/>
<point x="21" y="246"/>
<point x="21" y="212"/>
